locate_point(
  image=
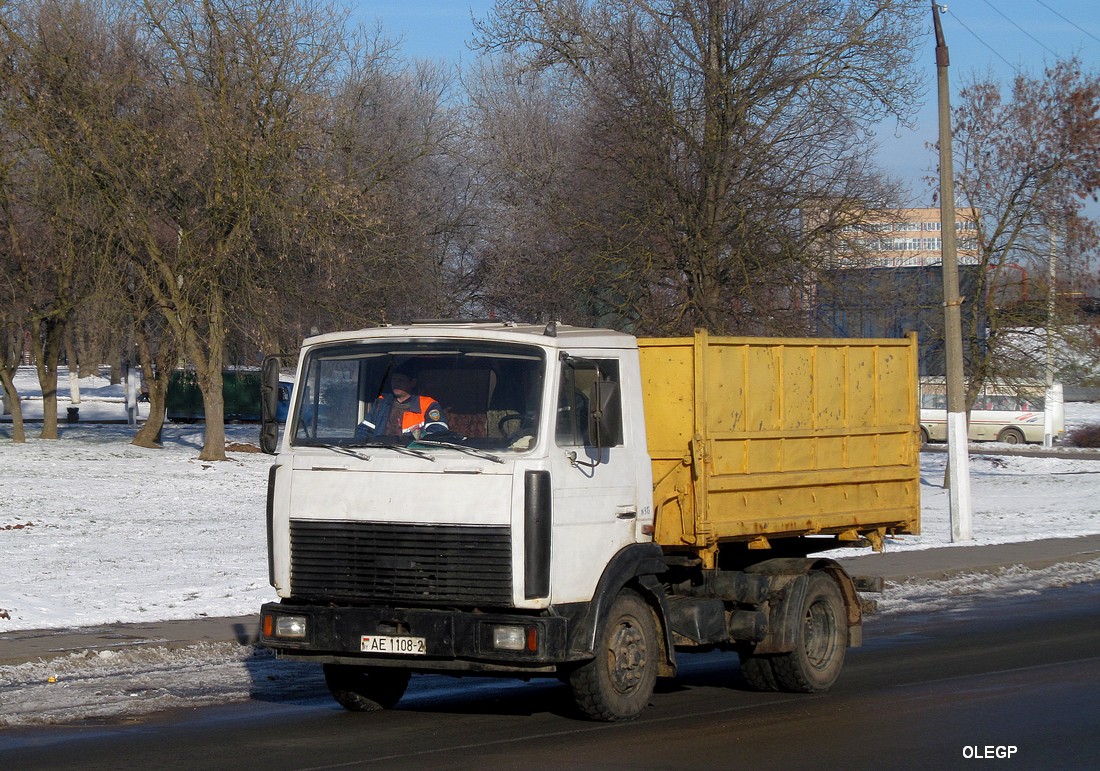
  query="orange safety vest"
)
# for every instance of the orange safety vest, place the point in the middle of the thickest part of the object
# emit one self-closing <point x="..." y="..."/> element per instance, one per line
<point x="424" y="413"/>
<point x="413" y="419"/>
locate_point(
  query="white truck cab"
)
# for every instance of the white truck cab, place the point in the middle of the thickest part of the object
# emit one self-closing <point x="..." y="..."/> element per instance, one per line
<point x="478" y="545"/>
<point x="508" y="395"/>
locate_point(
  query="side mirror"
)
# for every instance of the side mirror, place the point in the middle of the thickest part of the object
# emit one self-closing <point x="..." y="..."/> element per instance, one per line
<point x="269" y="405"/>
<point x="604" y="415"/>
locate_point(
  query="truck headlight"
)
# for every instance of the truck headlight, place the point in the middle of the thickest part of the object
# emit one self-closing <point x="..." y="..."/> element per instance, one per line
<point x="516" y="638"/>
<point x="286" y="627"/>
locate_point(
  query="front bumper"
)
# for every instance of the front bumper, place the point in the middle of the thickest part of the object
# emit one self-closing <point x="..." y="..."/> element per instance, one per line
<point x="454" y="640"/>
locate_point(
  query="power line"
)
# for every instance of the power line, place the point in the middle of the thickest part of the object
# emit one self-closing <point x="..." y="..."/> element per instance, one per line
<point x="1067" y="21"/>
<point x="977" y="37"/>
<point x="1017" y="26"/>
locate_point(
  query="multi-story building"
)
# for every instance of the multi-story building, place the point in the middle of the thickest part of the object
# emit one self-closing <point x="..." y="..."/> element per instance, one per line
<point x="890" y="281"/>
<point x="910" y="238"/>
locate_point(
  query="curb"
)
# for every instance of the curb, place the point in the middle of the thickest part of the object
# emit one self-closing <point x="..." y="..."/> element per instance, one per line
<point x="949" y="561"/>
<point x="27" y="645"/>
<point x="31" y="645"/>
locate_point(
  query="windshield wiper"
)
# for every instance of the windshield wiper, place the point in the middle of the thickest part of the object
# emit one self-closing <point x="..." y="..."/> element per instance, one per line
<point x="462" y="448"/>
<point x="349" y="449"/>
<point x="346" y="451"/>
<point x="342" y="449"/>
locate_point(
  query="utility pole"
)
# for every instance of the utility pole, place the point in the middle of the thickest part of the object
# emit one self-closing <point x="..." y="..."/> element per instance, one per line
<point x="1048" y="403"/>
<point x="958" y="458"/>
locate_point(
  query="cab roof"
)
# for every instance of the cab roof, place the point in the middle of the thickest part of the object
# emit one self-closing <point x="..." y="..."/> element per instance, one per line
<point x="551" y="335"/>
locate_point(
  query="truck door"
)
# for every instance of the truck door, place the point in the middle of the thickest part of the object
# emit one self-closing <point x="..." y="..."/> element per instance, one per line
<point x="595" y="488"/>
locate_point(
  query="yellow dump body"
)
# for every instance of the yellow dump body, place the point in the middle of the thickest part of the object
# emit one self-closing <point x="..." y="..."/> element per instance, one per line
<point x="754" y="439"/>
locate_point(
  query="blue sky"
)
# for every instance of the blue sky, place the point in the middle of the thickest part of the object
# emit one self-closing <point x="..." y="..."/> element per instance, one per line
<point x="997" y="36"/>
<point x="430" y="29"/>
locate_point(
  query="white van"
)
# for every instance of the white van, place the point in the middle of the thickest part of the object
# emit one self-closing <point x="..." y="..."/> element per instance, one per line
<point x="1012" y="414"/>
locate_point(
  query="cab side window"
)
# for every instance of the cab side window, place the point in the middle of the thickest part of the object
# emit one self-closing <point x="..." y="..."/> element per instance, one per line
<point x="575" y="393"/>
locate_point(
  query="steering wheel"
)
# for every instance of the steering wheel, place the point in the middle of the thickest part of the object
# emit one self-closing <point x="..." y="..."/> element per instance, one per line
<point x="522" y="422"/>
<point x="445" y="436"/>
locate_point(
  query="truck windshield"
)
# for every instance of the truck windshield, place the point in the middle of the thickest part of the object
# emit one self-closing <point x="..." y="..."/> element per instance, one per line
<point x="475" y="395"/>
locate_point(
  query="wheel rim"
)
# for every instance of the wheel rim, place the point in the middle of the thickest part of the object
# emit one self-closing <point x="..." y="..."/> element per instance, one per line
<point x="820" y="635"/>
<point x="626" y="657"/>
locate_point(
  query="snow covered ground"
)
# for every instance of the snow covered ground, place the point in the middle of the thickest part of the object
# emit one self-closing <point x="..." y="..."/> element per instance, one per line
<point x="94" y="531"/>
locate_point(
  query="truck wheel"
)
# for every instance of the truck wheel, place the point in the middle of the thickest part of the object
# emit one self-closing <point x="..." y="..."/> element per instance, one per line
<point x="1011" y="436"/>
<point x="617" y="683"/>
<point x="821" y="639"/>
<point x="758" y="672"/>
<point x="365" y="689"/>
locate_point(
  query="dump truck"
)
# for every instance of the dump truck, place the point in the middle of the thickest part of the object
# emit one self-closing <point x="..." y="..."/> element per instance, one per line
<point x="580" y="504"/>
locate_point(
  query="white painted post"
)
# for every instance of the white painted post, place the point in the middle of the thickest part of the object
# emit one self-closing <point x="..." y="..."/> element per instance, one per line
<point x="131" y="394"/>
<point x="958" y="476"/>
<point x="74" y="386"/>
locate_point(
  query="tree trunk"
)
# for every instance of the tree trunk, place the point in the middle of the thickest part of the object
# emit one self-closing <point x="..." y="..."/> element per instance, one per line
<point x="86" y="352"/>
<point x="149" y="434"/>
<point x="156" y="369"/>
<point x="207" y="356"/>
<point x="47" y="354"/>
<point x="47" y="378"/>
<point x="11" y="400"/>
<point x="213" y="402"/>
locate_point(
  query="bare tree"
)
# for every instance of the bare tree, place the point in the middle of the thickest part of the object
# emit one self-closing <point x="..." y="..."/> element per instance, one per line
<point x="370" y="240"/>
<point x="12" y="313"/>
<point x="720" y="124"/>
<point x="393" y="138"/>
<point x="238" y="82"/>
<point x="1028" y="163"/>
<point x="49" y="74"/>
<point x="525" y="139"/>
<point x="254" y="172"/>
<point x="11" y="353"/>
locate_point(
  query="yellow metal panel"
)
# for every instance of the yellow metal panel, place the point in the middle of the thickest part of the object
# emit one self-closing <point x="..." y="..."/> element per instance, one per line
<point x="755" y="437"/>
<point x="830" y="391"/>
<point x="668" y="385"/>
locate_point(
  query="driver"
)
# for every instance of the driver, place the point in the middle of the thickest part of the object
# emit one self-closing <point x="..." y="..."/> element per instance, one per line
<point x="402" y="411"/>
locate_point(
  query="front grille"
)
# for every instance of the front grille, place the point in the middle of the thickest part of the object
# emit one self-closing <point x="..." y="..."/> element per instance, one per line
<point x="460" y="564"/>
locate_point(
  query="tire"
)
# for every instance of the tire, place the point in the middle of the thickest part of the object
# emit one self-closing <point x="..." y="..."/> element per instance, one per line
<point x="924" y="438"/>
<point x="758" y="672"/>
<point x="820" y="643"/>
<point x="366" y="689"/>
<point x="617" y="683"/>
<point x="1011" y="436"/>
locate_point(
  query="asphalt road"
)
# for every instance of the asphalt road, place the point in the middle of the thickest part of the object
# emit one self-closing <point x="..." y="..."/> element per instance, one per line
<point x="896" y="567"/>
<point x="1015" y="675"/>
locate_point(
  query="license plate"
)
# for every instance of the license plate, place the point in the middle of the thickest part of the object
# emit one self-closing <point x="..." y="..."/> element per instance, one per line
<point x="406" y="646"/>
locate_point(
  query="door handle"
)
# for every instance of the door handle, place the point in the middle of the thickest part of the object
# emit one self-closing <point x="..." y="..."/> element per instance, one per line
<point x="623" y="513"/>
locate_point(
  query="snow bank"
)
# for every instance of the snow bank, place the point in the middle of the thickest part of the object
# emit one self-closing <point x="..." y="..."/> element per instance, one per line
<point x="96" y="531"/>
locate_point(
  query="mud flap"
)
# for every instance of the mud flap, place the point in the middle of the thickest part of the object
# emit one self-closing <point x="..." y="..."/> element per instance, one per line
<point x="784" y="614"/>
